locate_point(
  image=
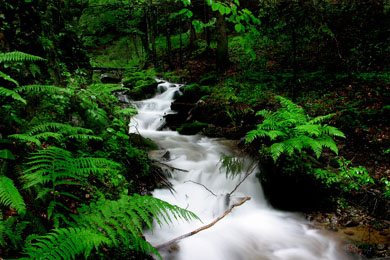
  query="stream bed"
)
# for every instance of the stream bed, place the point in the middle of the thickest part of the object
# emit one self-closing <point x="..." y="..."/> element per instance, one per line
<point x="252" y="231"/>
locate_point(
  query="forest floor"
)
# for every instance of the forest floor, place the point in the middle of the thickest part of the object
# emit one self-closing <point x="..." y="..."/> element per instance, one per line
<point x="362" y="113"/>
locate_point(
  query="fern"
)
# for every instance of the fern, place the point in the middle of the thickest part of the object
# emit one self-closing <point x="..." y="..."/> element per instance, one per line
<point x="232" y="165"/>
<point x="10" y="196"/>
<point x="26" y="138"/>
<point x="18" y="56"/>
<point x="59" y="127"/>
<point x="65" y="244"/>
<point x="10" y="93"/>
<point x="57" y="166"/>
<point x="292" y="130"/>
<point x="62" y="131"/>
<point x="11" y="230"/>
<point x="43" y="89"/>
<point x="123" y="220"/>
<point x="8" y="78"/>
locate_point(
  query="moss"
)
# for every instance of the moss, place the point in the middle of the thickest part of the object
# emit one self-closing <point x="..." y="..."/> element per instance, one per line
<point x="141" y="85"/>
<point x="192" y="128"/>
<point x="142" y="142"/>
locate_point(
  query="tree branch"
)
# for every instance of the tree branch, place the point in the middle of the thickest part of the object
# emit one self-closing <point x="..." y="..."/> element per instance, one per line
<point x="204" y="227"/>
<point x="203" y="187"/>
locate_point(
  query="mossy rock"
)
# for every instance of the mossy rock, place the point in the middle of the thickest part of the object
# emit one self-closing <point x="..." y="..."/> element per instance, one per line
<point x="143" y="89"/>
<point x="193" y="92"/>
<point x="192" y="128"/>
<point x="142" y="142"/>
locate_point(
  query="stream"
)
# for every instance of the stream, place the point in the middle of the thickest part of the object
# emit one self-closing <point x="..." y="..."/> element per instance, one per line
<point x="252" y="231"/>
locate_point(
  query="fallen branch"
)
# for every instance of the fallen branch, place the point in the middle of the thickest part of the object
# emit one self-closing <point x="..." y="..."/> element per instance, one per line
<point x="204" y="227"/>
<point x="203" y="187"/>
<point x="171" y="167"/>
<point x="249" y="172"/>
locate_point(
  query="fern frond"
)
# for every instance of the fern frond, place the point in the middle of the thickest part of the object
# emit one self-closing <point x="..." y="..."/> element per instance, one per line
<point x="65" y="243"/>
<point x="47" y="135"/>
<point x="44" y="89"/>
<point x="328" y="142"/>
<point x="320" y="119"/>
<point x="311" y="130"/>
<point x="250" y="136"/>
<point x="129" y="111"/>
<point x="232" y="165"/>
<point x="18" y="56"/>
<point x="10" y="196"/>
<point x="311" y="143"/>
<point x="123" y="220"/>
<point x="105" y="88"/>
<point x="10" y="93"/>
<point x="82" y="137"/>
<point x="276" y="150"/>
<point x="26" y="138"/>
<point x="332" y="131"/>
<point x="8" y="78"/>
<point x="59" y="127"/>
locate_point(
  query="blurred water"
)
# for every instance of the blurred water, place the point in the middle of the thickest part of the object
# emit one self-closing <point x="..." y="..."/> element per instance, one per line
<point x="252" y="231"/>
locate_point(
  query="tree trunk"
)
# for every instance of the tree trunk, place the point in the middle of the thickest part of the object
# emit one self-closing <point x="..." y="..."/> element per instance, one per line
<point x="222" y="44"/>
<point x="169" y="43"/>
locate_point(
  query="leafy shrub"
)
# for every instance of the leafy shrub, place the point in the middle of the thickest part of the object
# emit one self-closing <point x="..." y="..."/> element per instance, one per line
<point x="291" y="130"/>
<point x="346" y="178"/>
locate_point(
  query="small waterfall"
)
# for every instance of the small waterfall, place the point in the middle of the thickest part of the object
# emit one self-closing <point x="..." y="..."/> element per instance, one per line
<point x="252" y="231"/>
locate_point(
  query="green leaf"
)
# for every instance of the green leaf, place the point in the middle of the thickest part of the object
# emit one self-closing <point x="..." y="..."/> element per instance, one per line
<point x="6" y="154"/>
<point x="237" y="27"/>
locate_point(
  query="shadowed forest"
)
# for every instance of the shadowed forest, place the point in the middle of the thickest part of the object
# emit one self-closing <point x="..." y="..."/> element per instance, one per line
<point x="303" y="86"/>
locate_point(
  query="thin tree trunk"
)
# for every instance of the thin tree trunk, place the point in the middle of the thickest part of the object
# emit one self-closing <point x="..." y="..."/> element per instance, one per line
<point x="222" y="44"/>
<point x="181" y="42"/>
<point x="168" y="35"/>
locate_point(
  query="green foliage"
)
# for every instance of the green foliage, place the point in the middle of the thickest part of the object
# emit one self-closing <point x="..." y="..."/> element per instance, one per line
<point x="291" y="130"/>
<point x="232" y="165"/>
<point x="53" y="171"/>
<point x="65" y="243"/>
<point x="11" y="230"/>
<point x="346" y="178"/>
<point x="10" y="196"/>
<point x="58" y="131"/>
<point x="386" y="183"/>
<point x="18" y="56"/>
<point x="35" y="89"/>
<point x="11" y="93"/>
<point x="123" y="220"/>
<point x="56" y="166"/>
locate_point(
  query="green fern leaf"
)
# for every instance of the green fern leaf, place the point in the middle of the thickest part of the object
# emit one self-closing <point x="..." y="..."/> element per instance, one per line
<point x="26" y="138"/>
<point x="332" y="131"/>
<point x="276" y="150"/>
<point x="320" y="119"/>
<point x="44" y="89"/>
<point x="10" y="196"/>
<point x="8" y="78"/>
<point x="10" y="93"/>
<point x="82" y="137"/>
<point x="65" y="244"/>
<point x="311" y="130"/>
<point x="327" y="141"/>
<point x="123" y="220"/>
<point x="18" y="56"/>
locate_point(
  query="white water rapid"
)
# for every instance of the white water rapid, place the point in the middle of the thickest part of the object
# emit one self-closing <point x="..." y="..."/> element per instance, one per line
<point x="252" y="231"/>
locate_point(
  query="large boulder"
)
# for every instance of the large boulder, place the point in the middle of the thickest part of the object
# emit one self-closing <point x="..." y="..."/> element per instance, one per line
<point x="140" y="86"/>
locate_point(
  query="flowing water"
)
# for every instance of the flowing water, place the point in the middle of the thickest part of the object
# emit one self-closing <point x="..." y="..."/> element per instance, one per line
<point x="252" y="231"/>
